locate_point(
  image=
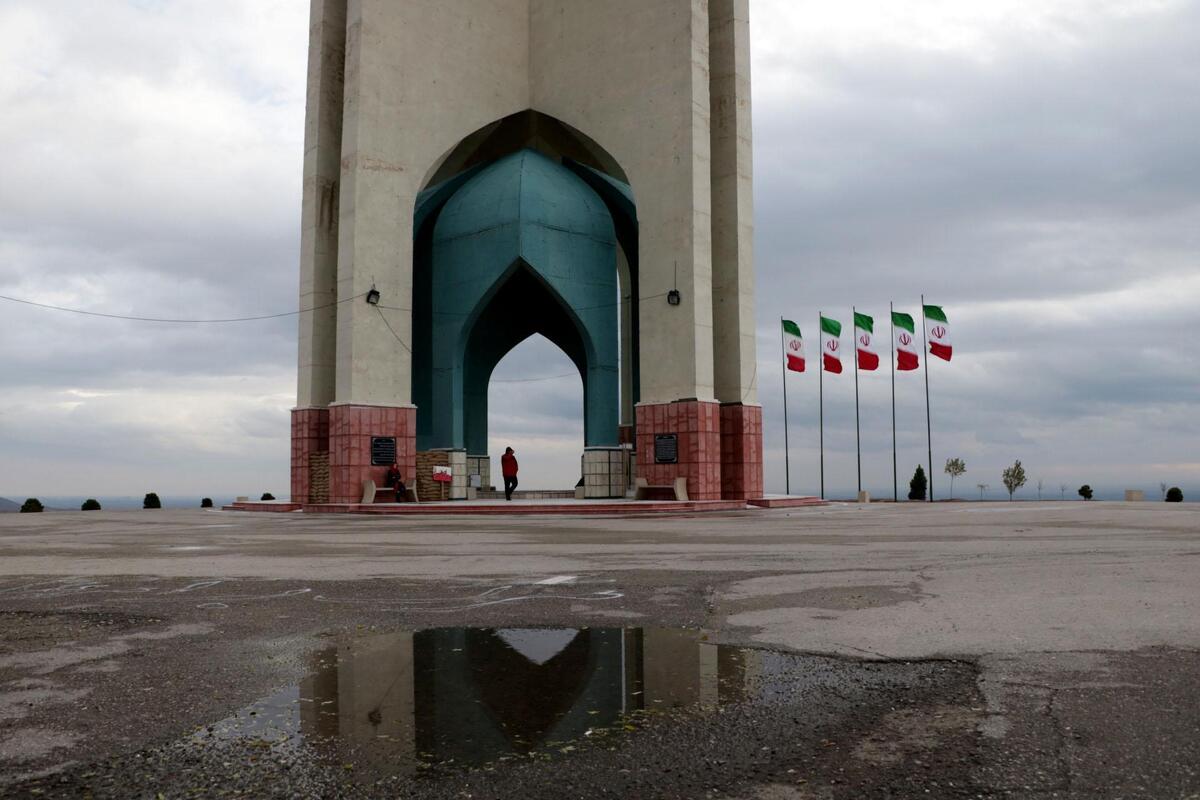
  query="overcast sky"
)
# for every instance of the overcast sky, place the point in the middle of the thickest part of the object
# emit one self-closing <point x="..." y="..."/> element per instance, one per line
<point x="1032" y="166"/>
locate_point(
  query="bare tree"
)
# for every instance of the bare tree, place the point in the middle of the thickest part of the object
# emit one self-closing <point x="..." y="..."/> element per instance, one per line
<point x="1062" y="487"/>
<point x="1163" y="487"/>
<point x="981" y="487"/>
<point x="954" y="468"/>
<point x="1013" y="477"/>
<point x="1040" y="482"/>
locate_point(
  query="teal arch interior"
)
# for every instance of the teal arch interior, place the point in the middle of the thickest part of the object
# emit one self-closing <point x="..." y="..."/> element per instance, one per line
<point x="518" y="246"/>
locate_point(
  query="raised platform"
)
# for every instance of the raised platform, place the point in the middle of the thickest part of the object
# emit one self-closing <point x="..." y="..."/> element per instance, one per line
<point x="527" y="494"/>
<point x="527" y="506"/>
<point x="785" y="501"/>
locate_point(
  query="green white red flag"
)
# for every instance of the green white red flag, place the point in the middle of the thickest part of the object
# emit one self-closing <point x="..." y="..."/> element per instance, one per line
<point x="831" y="347"/>
<point x="938" y="331"/>
<point x="793" y="346"/>
<point x="906" y="341"/>
<point x="864" y="342"/>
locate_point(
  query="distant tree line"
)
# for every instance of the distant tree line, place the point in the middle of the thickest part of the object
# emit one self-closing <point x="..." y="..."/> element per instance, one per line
<point x="1013" y="478"/>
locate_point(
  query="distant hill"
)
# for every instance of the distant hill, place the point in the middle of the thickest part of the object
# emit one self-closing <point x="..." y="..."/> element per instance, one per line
<point x="9" y="506"/>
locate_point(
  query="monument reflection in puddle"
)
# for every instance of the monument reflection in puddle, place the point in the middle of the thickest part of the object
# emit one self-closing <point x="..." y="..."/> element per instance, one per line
<point x="469" y="696"/>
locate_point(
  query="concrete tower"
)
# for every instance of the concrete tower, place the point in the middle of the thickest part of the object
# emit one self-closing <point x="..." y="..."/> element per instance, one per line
<point x="585" y="163"/>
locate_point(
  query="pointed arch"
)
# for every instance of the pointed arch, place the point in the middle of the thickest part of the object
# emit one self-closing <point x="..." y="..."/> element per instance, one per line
<point x="528" y="129"/>
<point x="519" y="246"/>
<point x="521" y="304"/>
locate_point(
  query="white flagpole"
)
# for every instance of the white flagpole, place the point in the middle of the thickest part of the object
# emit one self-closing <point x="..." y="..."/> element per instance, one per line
<point x="787" y="470"/>
<point x="895" y="477"/>
<point x="857" y="426"/>
<point x="821" y="395"/>
<point x="928" y="422"/>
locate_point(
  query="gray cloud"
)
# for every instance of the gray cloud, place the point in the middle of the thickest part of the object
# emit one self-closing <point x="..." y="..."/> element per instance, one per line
<point x="1031" y="166"/>
<point x="1043" y="188"/>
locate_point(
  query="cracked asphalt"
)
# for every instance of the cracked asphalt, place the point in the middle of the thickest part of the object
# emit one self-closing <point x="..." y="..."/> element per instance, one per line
<point x="1041" y="650"/>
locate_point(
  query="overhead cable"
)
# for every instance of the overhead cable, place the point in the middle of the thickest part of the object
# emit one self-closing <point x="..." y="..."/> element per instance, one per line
<point x="131" y="318"/>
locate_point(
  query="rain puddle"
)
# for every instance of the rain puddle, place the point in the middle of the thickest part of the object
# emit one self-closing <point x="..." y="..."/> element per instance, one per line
<point x="464" y="697"/>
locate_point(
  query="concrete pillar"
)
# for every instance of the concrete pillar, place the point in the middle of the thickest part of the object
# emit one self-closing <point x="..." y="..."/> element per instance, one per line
<point x="734" y="339"/>
<point x="374" y="364"/>
<point x="319" y="236"/>
<point x="633" y="76"/>
<point x="626" y="314"/>
<point x="319" y="213"/>
<point x="397" y="122"/>
<point x="735" y="371"/>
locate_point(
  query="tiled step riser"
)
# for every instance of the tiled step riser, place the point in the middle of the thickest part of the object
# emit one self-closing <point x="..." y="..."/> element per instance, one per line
<point x="552" y="494"/>
<point x="608" y="509"/>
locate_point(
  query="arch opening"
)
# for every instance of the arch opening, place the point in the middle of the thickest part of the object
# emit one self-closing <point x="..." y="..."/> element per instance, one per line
<point x="534" y="402"/>
<point x="521" y="307"/>
<point x="512" y="246"/>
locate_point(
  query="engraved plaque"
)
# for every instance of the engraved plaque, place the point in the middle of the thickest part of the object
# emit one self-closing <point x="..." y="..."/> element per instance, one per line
<point x="666" y="448"/>
<point x="383" y="451"/>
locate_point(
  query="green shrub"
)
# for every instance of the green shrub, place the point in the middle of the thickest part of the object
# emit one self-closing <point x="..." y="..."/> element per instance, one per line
<point x="1085" y="492"/>
<point x="918" y="484"/>
<point x="91" y="504"/>
<point x="1174" y="495"/>
<point x="206" y="503"/>
<point x="151" y="501"/>
<point x="32" y="506"/>
<point x="268" y="496"/>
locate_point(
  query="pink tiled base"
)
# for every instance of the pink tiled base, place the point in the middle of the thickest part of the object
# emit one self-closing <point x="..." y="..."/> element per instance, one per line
<point x="698" y="425"/>
<point x="350" y="432"/>
<point x="310" y="434"/>
<point x="615" y="508"/>
<point x="741" y="452"/>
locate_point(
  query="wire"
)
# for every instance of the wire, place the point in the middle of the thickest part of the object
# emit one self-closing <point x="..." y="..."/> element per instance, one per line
<point x="572" y="308"/>
<point x="536" y="380"/>
<point x="378" y="308"/>
<point x="103" y="315"/>
<point x="383" y="317"/>
<point x="182" y="321"/>
<point x="753" y="382"/>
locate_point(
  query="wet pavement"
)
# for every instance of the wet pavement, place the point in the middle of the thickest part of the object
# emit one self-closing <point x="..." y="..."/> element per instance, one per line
<point x="824" y="654"/>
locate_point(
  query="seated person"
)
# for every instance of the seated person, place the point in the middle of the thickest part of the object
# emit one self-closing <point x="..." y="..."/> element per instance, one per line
<point x="395" y="481"/>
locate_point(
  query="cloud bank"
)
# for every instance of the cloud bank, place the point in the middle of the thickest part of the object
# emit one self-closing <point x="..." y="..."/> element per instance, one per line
<point x="1029" y="166"/>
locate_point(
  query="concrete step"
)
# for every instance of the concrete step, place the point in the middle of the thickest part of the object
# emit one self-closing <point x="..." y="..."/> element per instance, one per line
<point x="529" y="494"/>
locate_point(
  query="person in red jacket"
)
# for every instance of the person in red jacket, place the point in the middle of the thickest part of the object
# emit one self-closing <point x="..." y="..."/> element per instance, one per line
<point x="395" y="480"/>
<point x="508" y="466"/>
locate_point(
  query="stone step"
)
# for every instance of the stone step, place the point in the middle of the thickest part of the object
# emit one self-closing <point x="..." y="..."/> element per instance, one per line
<point x="529" y="494"/>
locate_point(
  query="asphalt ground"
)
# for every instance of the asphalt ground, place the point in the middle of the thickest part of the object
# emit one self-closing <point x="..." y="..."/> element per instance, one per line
<point x="969" y="649"/>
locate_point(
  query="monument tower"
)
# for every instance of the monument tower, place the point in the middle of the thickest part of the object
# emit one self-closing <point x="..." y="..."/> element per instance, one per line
<point x="479" y="171"/>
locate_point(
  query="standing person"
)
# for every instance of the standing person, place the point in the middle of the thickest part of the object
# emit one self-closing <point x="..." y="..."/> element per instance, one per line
<point x="508" y="465"/>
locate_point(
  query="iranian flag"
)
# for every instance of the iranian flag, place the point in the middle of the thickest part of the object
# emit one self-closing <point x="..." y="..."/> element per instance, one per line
<point x="939" y="332"/>
<point x="906" y="341"/>
<point x="793" y="346"/>
<point x="831" y="354"/>
<point x="864" y="342"/>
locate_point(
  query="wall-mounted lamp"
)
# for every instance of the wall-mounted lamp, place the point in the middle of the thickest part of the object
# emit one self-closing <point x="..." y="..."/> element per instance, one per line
<point x="373" y="296"/>
<point x="674" y="298"/>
